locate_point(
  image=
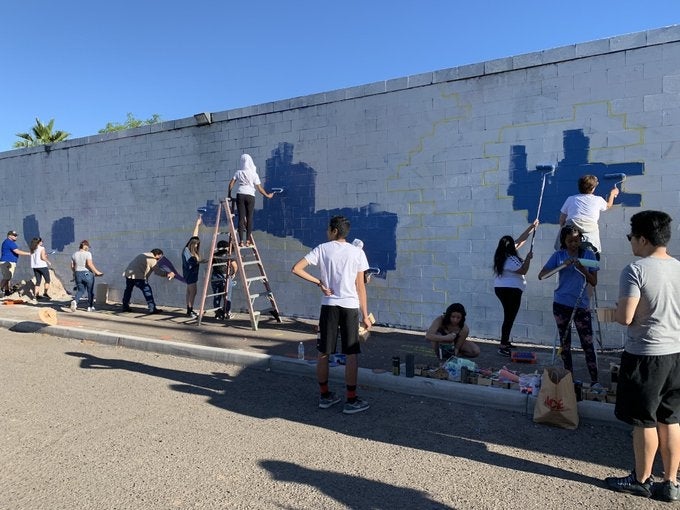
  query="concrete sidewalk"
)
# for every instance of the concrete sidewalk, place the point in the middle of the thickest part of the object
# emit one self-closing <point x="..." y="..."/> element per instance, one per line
<point x="274" y="347"/>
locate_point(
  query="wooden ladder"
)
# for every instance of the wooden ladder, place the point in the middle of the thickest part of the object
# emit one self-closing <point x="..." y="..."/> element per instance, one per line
<point x="252" y="275"/>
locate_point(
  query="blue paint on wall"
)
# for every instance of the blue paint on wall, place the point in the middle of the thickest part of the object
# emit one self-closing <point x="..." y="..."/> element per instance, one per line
<point x="292" y="214"/>
<point x="30" y="229"/>
<point x="525" y="185"/>
<point x="63" y="233"/>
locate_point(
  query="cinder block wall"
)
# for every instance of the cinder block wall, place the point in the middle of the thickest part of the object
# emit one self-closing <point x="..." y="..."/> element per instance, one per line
<point x="431" y="169"/>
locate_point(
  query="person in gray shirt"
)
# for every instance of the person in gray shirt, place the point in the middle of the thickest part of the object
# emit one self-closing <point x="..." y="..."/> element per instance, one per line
<point x="648" y="389"/>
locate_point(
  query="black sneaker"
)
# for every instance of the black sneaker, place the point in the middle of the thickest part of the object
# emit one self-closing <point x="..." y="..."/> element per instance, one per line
<point x="504" y="351"/>
<point x="630" y="485"/>
<point x="126" y="309"/>
<point x="155" y="311"/>
<point x="665" y="491"/>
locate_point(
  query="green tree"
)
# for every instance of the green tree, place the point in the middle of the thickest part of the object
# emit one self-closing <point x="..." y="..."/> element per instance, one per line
<point x="41" y="134"/>
<point x="130" y="123"/>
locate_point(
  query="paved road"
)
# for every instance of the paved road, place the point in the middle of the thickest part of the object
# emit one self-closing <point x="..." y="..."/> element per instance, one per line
<point x="90" y="426"/>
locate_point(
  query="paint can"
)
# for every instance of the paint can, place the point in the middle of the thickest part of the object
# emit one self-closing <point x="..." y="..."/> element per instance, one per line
<point x="396" y="364"/>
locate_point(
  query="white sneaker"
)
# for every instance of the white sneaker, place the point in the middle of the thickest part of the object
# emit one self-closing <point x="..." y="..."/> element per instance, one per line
<point x="74" y="305"/>
<point x="90" y="308"/>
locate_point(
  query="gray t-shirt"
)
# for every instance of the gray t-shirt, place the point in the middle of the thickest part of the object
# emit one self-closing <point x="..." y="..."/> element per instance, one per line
<point x="80" y="259"/>
<point x="655" y="330"/>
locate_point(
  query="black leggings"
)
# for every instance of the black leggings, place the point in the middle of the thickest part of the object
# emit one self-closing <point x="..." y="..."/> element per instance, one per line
<point x="246" y="208"/>
<point x="510" y="298"/>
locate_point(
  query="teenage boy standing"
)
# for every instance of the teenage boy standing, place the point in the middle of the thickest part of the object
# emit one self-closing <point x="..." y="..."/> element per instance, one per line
<point x="341" y="268"/>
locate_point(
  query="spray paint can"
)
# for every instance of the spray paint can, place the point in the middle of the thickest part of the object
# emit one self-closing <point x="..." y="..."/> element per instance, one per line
<point x="396" y="365"/>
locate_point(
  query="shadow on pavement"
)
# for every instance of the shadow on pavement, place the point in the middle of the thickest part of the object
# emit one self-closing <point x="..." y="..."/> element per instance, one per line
<point x="351" y="491"/>
<point x="447" y="428"/>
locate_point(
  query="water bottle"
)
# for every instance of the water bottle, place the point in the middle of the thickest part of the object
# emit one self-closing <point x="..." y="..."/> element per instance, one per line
<point x="301" y="351"/>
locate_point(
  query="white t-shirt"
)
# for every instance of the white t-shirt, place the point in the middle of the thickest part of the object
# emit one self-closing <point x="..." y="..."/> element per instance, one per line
<point x="339" y="263"/>
<point x="246" y="177"/>
<point x="510" y="278"/>
<point x="36" y="258"/>
<point x="586" y="207"/>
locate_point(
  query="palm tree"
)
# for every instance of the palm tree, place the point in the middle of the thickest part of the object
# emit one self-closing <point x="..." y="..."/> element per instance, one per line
<point x="42" y="135"/>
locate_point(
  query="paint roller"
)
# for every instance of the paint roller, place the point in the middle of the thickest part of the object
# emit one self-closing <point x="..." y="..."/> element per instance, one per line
<point x="620" y="176"/>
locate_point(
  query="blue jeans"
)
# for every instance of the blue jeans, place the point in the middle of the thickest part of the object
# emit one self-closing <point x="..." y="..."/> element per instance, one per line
<point x="143" y="285"/>
<point x="85" y="282"/>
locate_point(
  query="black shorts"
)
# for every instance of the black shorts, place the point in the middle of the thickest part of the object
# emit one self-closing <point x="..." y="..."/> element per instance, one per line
<point x="648" y="390"/>
<point x="347" y="319"/>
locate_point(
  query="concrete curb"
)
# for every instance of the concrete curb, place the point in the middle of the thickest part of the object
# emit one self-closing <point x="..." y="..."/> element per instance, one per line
<point x="471" y="394"/>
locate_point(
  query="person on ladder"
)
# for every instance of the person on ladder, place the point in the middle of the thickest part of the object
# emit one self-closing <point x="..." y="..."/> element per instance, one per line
<point x="248" y="181"/>
<point x="583" y="211"/>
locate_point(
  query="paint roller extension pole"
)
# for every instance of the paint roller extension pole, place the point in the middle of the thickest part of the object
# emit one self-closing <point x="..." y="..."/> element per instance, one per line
<point x="548" y="170"/>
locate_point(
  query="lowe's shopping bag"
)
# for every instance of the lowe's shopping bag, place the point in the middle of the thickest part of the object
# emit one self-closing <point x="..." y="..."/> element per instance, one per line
<point x="556" y="403"/>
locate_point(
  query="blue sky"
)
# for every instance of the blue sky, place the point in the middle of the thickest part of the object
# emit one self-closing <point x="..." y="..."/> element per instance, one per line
<point x="87" y="63"/>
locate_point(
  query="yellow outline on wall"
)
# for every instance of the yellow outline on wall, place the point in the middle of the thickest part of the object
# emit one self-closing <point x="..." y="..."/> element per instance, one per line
<point x="575" y="108"/>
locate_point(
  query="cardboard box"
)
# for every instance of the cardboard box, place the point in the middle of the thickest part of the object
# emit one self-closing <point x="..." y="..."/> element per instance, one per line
<point x="436" y="373"/>
<point x="471" y="378"/>
<point x="497" y="383"/>
<point x="483" y="380"/>
<point x="419" y="368"/>
<point x="594" y="396"/>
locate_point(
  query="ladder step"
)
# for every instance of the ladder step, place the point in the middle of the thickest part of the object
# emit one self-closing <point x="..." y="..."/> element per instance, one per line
<point x="255" y="279"/>
<point x="268" y="295"/>
<point x="251" y="263"/>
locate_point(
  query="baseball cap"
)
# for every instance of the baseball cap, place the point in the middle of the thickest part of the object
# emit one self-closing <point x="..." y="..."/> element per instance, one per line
<point x="12" y="233"/>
